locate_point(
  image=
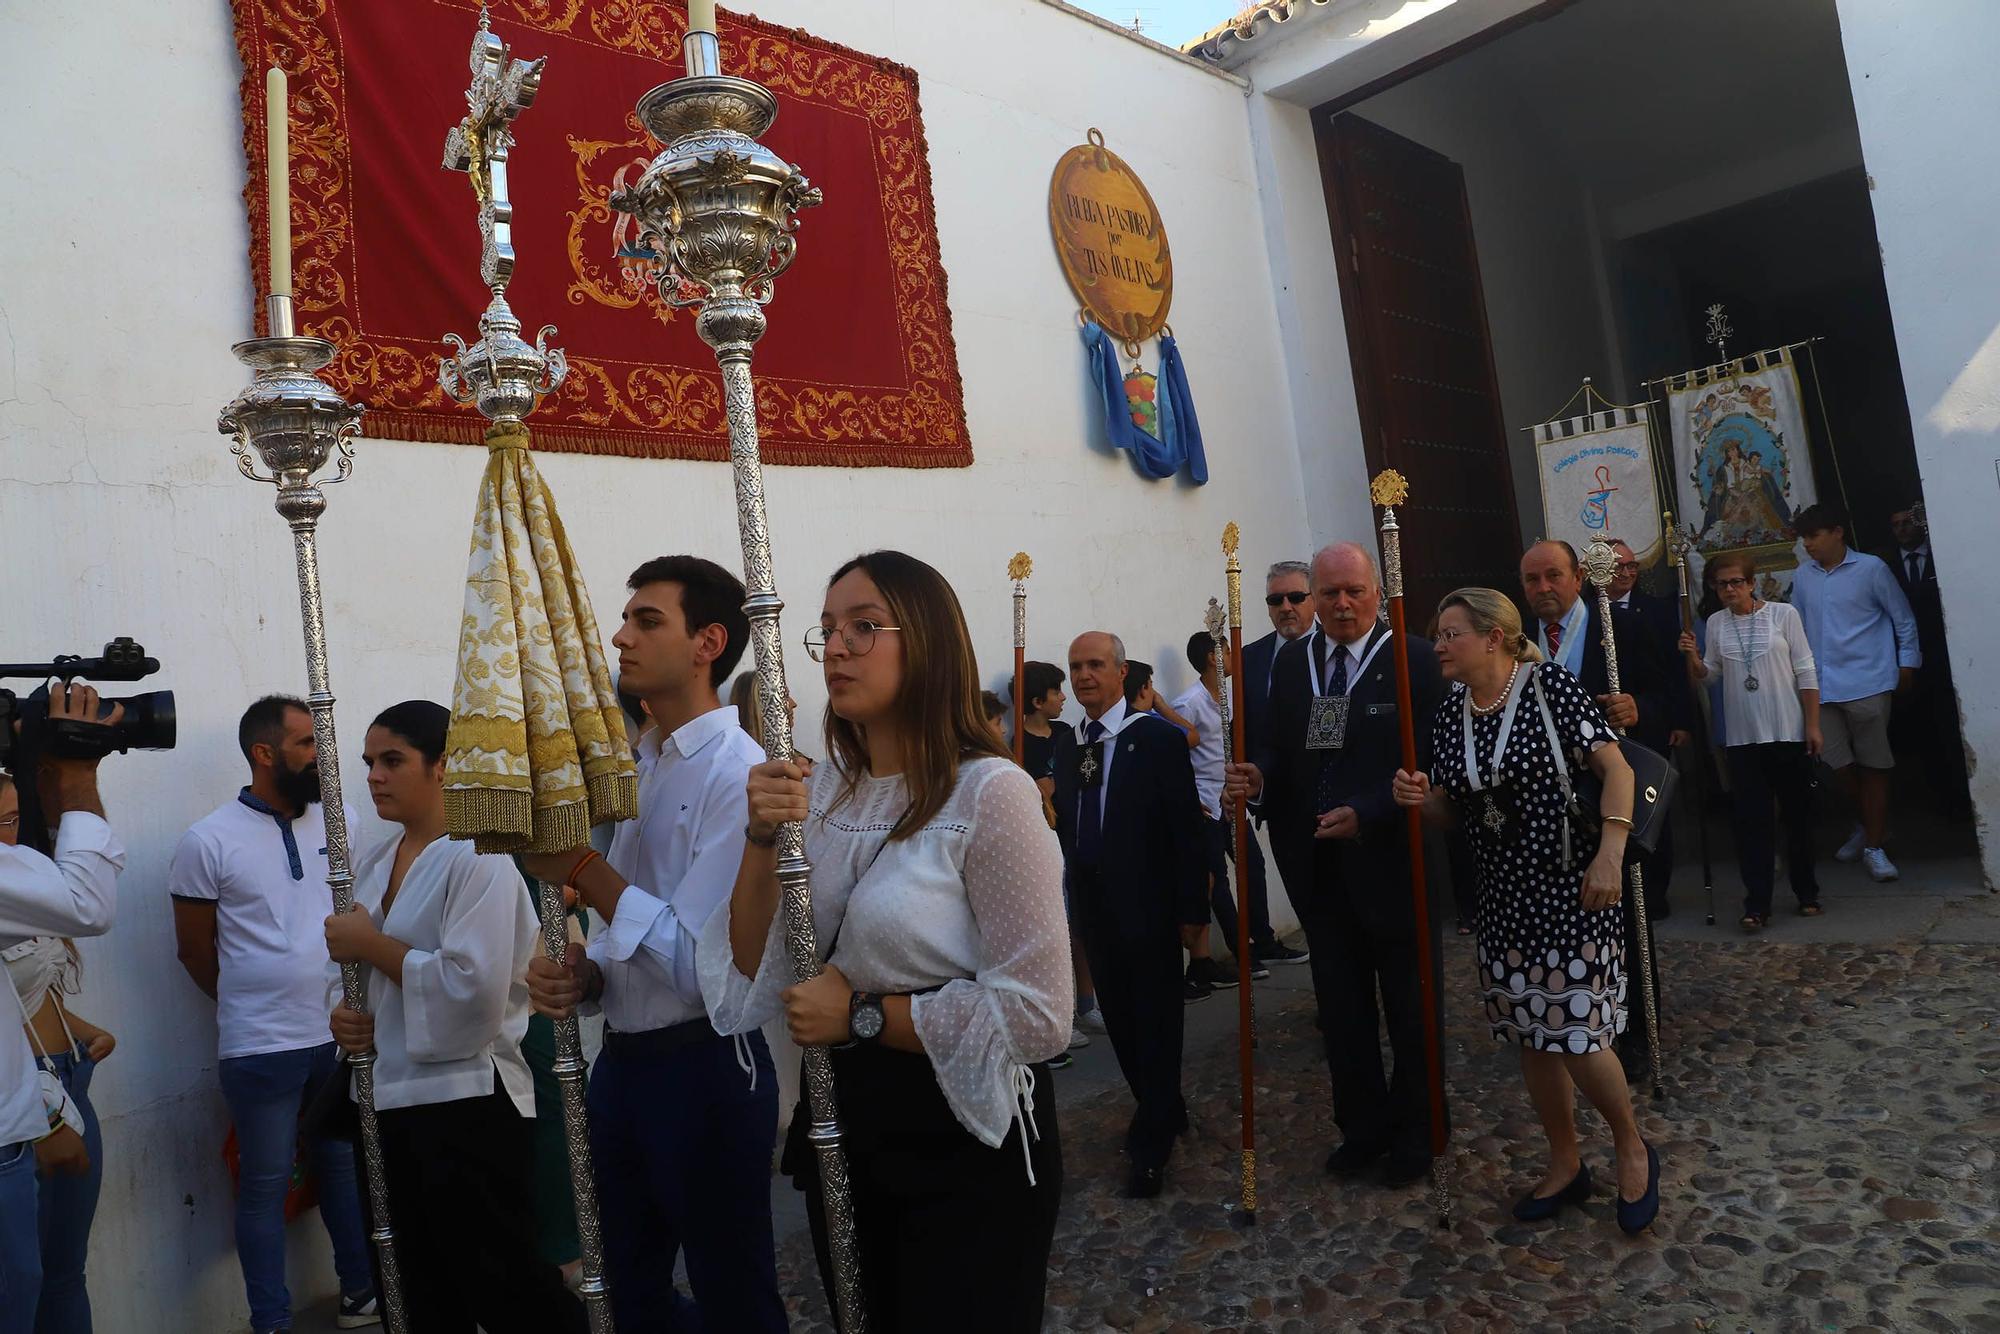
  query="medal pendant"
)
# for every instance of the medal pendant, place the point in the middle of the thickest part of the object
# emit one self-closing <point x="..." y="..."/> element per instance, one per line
<point x="1326" y="725"/>
<point x="1750" y="683"/>
<point x="1088" y="769"/>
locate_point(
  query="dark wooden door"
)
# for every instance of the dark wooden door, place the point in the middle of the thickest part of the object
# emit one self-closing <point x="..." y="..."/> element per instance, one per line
<point x="1423" y="364"/>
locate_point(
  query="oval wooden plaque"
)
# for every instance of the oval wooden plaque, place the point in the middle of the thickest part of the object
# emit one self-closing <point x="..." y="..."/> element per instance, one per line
<point x="1111" y="242"/>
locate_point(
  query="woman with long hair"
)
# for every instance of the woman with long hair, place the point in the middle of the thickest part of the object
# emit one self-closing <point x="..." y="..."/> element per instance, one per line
<point x="1511" y="745"/>
<point x="42" y="970"/>
<point x="445" y="933"/>
<point x="937" y="898"/>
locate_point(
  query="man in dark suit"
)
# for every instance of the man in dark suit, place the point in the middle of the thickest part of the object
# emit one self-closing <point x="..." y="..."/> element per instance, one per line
<point x="1568" y="631"/>
<point x="1926" y="719"/>
<point x="1660" y="618"/>
<point x="1287" y="598"/>
<point x="1322" y="775"/>
<point x="1136" y="865"/>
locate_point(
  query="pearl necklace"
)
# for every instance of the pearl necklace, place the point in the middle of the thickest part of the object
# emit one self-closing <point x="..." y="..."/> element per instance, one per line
<point x="1482" y="710"/>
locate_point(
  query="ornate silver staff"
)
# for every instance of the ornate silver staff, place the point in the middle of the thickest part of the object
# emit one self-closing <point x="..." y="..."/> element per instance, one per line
<point x="720" y="210"/>
<point x="1600" y="563"/>
<point x="1680" y="543"/>
<point x="1018" y="569"/>
<point x="294" y="422"/>
<point x="505" y="377"/>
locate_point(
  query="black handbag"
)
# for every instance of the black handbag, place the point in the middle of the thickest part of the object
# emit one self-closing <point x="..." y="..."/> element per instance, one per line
<point x="1654" y="780"/>
<point x="329" y="1111"/>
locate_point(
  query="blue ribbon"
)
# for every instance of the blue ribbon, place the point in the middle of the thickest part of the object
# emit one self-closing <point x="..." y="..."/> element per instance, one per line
<point x="1180" y="431"/>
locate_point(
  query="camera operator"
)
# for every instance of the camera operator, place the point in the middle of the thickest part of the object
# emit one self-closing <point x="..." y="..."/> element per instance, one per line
<point x="73" y="893"/>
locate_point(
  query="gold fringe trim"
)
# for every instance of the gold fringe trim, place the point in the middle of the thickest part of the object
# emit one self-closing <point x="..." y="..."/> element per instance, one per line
<point x="613" y="797"/>
<point x="556" y="438"/>
<point x="480" y="813"/>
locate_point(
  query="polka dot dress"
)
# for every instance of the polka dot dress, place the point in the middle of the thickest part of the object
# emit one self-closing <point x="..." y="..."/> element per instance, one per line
<point x="1553" y="974"/>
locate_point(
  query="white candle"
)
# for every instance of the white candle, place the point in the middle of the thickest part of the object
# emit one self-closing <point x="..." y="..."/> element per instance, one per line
<point x="278" y="180"/>
<point x="701" y="15"/>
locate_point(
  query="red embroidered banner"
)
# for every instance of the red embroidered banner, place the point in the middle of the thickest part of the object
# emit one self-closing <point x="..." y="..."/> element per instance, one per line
<point x="858" y="368"/>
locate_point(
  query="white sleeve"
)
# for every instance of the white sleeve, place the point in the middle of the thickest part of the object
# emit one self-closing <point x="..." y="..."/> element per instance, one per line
<point x="1016" y="1008"/>
<point x="1805" y="672"/>
<point x="455" y="997"/>
<point x="1711" y="656"/>
<point x="75" y="893"/>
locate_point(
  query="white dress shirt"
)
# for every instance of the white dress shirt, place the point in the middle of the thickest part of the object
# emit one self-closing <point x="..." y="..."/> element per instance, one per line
<point x="971" y="904"/>
<point x="1199" y="707"/>
<point x="462" y="1008"/>
<point x="73" y="894"/>
<point x="1115" y="720"/>
<point x="680" y="859"/>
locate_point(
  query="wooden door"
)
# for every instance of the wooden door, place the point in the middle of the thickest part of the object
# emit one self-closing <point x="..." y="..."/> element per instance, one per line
<point x="1423" y="363"/>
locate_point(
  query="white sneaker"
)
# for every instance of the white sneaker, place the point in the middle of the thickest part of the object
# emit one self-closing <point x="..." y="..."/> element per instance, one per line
<point x="1850" y="851"/>
<point x="1092" y="1019"/>
<point x="1078" y="1038"/>
<point x="1879" y="865"/>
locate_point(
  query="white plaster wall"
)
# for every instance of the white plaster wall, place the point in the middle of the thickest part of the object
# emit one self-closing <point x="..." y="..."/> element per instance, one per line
<point x="1923" y="92"/>
<point x="123" y="282"/>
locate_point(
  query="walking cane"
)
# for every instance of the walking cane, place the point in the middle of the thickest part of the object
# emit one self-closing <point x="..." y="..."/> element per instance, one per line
<point x="720" y="210"/>
<point x="1018" y="569"/>
<point x="1678" y="547"/>
<point x="1600" y="562"/>
<point x="1390" y="490"/>
<point x="1239" y="834"/>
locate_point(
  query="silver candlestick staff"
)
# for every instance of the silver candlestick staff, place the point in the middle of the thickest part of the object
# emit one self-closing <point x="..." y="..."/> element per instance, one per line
<point x="294" y="422"/>
<point x="1600" y="564"/>
<point x="719" y="209"/>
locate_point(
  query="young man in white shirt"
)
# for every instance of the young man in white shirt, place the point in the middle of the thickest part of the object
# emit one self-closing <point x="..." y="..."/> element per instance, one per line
<point x="73" y="893"/>
<point x="249" y="889"/>
<point x="682" y="1121"/>
<point x="1200" y="705"/>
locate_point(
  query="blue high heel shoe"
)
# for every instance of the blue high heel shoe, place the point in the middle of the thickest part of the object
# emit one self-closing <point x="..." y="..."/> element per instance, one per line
<point x="1532" y="1208"/>
<point x="1635" y="1216"/>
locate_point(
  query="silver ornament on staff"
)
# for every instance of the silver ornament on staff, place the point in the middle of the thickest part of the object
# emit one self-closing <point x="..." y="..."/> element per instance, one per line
<point x="1600" y="564"/>
<point x="719" y="210"/>
<point x="504" y="377"/>
<point x="293" y="422"/>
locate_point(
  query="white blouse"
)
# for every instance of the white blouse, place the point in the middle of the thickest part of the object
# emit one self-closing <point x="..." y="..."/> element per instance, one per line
<point x="462" y="1009"/>
<point x="970" y="904"/>
<point x="1769" y="643"/>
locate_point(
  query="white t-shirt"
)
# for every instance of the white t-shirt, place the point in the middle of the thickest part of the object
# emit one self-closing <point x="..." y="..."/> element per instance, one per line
<point x="270" y="925"/>
<point x="1199" y="707"/>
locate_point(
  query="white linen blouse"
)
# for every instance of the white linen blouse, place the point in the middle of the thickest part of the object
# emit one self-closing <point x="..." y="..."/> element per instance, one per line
<point x="462" y="1009"/>
<point x="971" y="904"/>
<point x="1771" y="643"/>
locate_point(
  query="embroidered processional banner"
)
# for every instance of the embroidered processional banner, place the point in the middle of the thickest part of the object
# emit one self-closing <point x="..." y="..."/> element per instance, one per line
<point x="1741" y="453"/>
<point x="1598" y="480"/>
<point x="859" y="368"/>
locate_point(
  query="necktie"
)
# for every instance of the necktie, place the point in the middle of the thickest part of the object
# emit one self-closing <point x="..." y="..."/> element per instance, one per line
<point x="1916" y="568"/>
<point x="1090" y="812"/>
<point x="1340" y="656"/>
<point x="1554" y="630"/>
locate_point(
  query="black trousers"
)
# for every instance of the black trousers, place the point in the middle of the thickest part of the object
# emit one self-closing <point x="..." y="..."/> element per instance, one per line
<point x="1354" y="960"/>
<point x="1221" y="852"/>
<point x="1137" y="970"/>
<point x="1777" y="772"/>
<point x="951" y="1234"/>
<point x="461" y="1199"/>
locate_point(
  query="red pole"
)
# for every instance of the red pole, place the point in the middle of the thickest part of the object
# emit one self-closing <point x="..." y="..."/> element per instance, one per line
<point x="1020" y="694"/>
<point x="1018" y="569"/>
<point x="1233" y="751"/>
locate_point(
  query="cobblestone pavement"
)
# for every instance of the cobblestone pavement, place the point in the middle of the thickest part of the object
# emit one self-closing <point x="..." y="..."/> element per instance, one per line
<point x="1828" y="1133"/>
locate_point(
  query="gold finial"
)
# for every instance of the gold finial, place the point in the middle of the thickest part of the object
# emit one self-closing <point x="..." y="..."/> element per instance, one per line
<point x="1020" y="567"/>
<point x="1231" y="536"/>
<point x="1389" y="488"/>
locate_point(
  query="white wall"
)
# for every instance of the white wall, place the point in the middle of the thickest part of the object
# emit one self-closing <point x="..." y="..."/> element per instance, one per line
<point x="1923" y="91"/>
<point x="123" y="281"/>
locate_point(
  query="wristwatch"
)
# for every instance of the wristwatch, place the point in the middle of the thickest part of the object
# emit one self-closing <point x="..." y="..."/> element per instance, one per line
<point x="865" y="1019"/>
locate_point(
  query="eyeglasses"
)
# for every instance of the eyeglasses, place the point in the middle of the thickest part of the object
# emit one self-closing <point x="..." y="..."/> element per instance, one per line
<point x="1732" y="583"/>
<point x="10" y="822"/>
<point x="1273" y="599"/>
<point x="1447" y="636"/>
<point x="858" y="635"/>
<point x="1625" y="565"/>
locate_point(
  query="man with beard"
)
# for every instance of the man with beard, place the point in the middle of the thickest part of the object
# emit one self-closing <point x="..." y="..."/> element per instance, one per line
<point x="250" y="897"/>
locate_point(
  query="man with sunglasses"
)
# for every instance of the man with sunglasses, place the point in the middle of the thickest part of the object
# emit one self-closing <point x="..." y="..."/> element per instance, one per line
<point x="1288" y="600"/>
<point x="682" y="1120"/>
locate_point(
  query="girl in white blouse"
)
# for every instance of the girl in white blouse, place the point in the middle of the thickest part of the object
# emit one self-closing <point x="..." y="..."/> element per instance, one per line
<point x="445" y="934"/>
<point x="1771" y="736"/>
<point x="937" y="897"/>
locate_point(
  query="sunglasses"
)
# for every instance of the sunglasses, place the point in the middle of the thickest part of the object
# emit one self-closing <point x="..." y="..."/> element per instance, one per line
<point x="1296" y="599"/>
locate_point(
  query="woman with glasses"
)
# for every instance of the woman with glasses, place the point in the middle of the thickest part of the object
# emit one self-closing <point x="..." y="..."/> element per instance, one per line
<point x="1770" y="708"/>
<point x="937" y="899"/>
<point x="1510" y="746"/>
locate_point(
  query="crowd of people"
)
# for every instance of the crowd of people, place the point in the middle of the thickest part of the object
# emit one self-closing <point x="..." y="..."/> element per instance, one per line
<point x="978" y="918"/>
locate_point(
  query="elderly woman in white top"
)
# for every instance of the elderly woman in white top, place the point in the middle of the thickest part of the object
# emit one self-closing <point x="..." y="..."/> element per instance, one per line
<point x="1770" y="707"/>
<point x="445" y="934"/>
<point x="937" y="894"/>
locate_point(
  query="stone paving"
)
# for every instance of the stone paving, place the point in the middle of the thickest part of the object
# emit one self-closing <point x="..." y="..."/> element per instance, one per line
<point x="1829" y="1137"/>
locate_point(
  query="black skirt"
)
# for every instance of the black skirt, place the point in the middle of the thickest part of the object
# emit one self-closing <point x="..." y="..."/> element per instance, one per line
<point x="950" y="1232"/>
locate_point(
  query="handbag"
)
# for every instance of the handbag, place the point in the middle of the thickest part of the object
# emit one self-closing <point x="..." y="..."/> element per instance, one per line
<point x="1654" y="781"/>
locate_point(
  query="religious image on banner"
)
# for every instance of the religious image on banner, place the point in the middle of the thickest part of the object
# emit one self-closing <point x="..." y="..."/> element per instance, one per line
<point x="1597" y="479"/>
<point x="1740" y="448"/>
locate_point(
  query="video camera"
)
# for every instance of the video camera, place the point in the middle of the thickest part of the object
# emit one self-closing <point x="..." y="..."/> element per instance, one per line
<point x="27" y="733"/>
